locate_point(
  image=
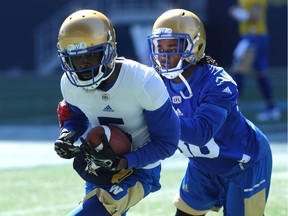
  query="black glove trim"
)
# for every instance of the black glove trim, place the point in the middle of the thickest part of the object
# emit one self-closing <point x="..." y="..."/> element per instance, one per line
<point x="105" y="158"/>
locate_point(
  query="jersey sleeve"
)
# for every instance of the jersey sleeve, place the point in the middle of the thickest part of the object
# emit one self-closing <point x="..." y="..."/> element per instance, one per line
<point x="217" y="98"/>
<point x="163" y="125"/>
<point x="72" y="118"/>
<point x="154" y="93"/>
<point x="206" y="122"/>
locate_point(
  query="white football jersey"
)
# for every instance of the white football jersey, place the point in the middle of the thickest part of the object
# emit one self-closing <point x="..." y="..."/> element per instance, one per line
<point x="137" y="88"/>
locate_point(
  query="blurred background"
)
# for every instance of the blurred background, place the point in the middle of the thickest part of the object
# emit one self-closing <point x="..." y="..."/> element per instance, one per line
<point x="30" y="91"/>
<point x="30" y="69"/>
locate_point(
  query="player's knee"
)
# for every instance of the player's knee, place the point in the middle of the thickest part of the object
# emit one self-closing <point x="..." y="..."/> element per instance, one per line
<point x="181" y="213"/>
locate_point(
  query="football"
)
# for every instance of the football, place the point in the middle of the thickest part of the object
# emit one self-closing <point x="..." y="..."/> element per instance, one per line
<point x="117" y="139"/>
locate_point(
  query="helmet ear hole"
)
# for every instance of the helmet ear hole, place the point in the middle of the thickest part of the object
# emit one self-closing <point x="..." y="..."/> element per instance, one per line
<point x="200" y="46"/>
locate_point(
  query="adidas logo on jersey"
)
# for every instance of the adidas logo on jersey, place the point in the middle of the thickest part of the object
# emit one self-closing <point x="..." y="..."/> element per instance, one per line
<point x="227" y="90"/>
<point x="108" y="109"/>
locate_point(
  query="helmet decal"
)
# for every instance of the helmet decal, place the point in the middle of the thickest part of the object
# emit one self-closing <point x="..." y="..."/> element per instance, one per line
<point x="79" y="47"/>
<point x="163" y="31"/>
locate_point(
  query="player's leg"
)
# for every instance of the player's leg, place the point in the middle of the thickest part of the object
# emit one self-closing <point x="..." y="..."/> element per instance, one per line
<point x="247" y="192"/>
<point x="91" y="207"/>
<point x="264" y="82"/>
<point x="109" y="199"/>
<point x="272" y="112"/>
<point x="261" y="65"/>
<point x="197" y="194"/>
<point x="265" y="87"/>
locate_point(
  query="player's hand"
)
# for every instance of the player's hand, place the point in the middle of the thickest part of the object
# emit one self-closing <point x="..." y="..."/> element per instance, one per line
<point x="64" y="145"/>
<point x="105" y="157"/>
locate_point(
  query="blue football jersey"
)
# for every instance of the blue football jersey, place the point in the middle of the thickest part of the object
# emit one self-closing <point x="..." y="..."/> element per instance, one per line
<point x="212" y="127"/>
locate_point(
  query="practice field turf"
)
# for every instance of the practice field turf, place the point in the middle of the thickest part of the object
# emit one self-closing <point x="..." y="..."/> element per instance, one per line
<point x="48" y="190"/>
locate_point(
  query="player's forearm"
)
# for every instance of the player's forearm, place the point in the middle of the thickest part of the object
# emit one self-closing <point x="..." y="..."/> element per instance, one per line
<point x="206" y="122"/>
<point x="164" y="126"/>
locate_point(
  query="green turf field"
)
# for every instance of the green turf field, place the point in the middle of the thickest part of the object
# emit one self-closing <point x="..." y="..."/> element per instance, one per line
<point x="55" y="190"/>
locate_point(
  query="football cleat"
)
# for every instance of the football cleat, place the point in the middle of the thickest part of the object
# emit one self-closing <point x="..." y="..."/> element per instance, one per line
<point x="269" y="114"/>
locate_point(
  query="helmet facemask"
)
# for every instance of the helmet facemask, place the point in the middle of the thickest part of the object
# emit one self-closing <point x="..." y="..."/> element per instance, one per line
<point x="183" y="48"/>
<point x="98" y="72"/>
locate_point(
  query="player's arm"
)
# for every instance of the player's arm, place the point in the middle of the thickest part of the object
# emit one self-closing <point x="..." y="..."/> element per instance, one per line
<point x="71" y="118"/>
<point x="163" y="126"/>
<point x="73" y="124"/>
<point x="206" y="122"/>
<point x="239" y="14"/>
<point x="210" y="116"/>
<point x="242" y="15"/>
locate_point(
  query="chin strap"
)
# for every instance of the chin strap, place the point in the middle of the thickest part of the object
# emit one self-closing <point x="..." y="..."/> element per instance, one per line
<point x="187" y="86"/>
<point x="95" y="85"/>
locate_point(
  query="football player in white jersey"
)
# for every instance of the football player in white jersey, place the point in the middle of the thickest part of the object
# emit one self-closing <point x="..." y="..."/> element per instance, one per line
<point x="101" y="89"/>
<point x="230" y="159"/>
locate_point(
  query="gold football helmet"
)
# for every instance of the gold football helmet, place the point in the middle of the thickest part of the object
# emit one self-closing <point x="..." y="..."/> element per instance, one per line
<point x="84" y="34"/>
<point x="188" y="29"/>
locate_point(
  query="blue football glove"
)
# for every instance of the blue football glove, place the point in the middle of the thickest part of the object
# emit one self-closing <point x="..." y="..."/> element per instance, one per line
<point x="64" y="145"/>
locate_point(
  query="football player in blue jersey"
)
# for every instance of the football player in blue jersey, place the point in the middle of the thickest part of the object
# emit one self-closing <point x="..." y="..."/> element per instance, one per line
<point x="230" y="159"/>
<point x="101" y="89"/>
<point x="252" y="51"/>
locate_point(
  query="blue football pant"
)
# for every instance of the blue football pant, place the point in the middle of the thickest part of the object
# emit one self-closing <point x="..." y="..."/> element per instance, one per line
<point x="242" y="194"/>
<point x="116" y="199"/>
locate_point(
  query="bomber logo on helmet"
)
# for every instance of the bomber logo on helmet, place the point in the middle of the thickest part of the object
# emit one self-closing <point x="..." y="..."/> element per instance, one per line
<point x="77" y="48"/>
